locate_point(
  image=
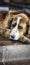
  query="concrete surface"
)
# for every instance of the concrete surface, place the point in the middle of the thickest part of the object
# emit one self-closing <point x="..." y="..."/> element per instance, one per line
<point x="14" y="53"/>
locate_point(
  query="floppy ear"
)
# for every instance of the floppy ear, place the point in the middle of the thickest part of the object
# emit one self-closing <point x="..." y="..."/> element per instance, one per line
<point x="24" y="39"/>
<point x="6" y="20"/>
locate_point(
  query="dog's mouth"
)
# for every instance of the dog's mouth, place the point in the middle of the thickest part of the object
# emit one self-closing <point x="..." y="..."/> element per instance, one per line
<point x="14" y="37"/>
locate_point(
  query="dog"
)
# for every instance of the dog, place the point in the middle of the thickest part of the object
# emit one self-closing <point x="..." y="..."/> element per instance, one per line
<point x="16" y="27"/>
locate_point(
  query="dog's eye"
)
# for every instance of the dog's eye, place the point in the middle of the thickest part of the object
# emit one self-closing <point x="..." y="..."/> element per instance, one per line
<point x="19" y="27"/>
<point x="13" y="25"/>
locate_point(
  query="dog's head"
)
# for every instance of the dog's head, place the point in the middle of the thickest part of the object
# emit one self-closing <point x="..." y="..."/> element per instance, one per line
<point x="14" y="25"/>
<point x="18" y="27"/>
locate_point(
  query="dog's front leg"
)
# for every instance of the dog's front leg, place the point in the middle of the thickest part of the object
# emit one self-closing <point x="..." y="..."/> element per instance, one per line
<point x="24" y="39"/>
<point x="6" y="33"/>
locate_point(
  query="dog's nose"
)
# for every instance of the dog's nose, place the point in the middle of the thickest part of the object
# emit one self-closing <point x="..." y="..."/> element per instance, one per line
<point x="12" y="36"/>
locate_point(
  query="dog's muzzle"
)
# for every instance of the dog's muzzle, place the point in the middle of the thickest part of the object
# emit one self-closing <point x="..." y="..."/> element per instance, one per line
<point x="14" y="33"/>
<point x="14" y="36"/>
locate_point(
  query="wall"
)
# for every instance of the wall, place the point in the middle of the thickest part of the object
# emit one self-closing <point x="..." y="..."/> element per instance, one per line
<point x="23" y="1"/>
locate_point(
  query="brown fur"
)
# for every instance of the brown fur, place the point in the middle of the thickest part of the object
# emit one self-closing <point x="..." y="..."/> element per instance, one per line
<point x="6" y="31"/>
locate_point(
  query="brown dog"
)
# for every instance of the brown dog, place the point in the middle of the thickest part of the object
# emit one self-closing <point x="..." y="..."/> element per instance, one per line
<point x="15" y="26"/>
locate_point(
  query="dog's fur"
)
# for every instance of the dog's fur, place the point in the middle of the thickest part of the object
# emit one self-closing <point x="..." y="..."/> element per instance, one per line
<point x="16" y="26"/>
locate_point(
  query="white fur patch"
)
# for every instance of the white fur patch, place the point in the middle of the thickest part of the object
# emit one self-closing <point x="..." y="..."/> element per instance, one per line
<point x="14" y="31"/>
